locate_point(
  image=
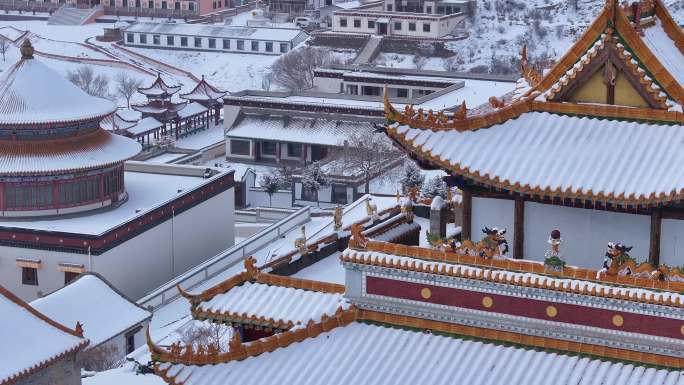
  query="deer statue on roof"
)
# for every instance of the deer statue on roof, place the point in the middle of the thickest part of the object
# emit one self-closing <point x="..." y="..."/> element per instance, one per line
<point x="492" y="245"/>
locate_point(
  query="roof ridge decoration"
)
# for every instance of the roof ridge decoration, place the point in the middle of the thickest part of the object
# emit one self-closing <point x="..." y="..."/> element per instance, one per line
<point x="239" y="351"/>
<point x="673" y="281"/>
<point x="159" y="84"/>
<point x="638" y="61"/>
<point x="204" y="88"/>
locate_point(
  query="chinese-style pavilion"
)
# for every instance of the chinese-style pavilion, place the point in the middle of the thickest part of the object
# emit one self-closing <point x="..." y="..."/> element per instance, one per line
<point x="160" y="106"/>
<point x="593" y="147"/>
<point x="55" y="157"/>
<point x="208" y="96"/>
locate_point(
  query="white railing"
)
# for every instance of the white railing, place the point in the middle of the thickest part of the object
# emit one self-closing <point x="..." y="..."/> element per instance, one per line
<point x="226" y="259"/>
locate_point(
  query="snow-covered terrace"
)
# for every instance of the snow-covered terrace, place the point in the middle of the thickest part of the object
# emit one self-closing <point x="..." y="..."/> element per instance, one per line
<point x="146" y="191"/>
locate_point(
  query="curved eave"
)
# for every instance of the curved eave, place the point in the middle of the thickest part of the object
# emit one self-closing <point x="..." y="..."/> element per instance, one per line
<point x="48" y="122"/>
<point x="25" y="158"/>
<point x="494" y="181"/>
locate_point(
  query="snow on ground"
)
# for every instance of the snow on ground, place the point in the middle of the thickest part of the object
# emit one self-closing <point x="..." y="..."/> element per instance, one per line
<point x="328" y="269"/>
<point x="124" y="375"/>
<point x="64" y="67"/>
<point x="201" y="139"/>
<point x="240" y="168"/>
<point x="227" y="71"/>
<point x="71" y="33"/>
<point x="167" y="157"/>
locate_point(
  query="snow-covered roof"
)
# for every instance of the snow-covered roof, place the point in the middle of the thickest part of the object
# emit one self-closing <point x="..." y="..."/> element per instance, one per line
<point x="576" y="156"/>
<point x="159" y="88"/>
<point x="275" y="302"/>
<point x="557" y="283"/>
<point x="218" y="31"/>
<point x="323" y="131"/>
<point x="30" y="340"/>
<point x="378" y="355"/>
<point x="92" y="150"/>
<point x="115" y="122"/>
<point x="146" y="192"/>
<point x="103" y="311"/>
<point x="658" y="41"/>
<point x="33" y="93"/>
<point x="204" y="91"/>
<point x="145" y="125"/>
<point x="192" y="109"/>
<point x="348" y="4"/>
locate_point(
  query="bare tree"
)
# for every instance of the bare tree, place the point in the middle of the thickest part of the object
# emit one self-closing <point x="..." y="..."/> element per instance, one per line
<point x="84" y="77"/>
<point x="4" y="46"/>
<point x="366" y="151"/>
<point x="205" y="334"/>
<point x="419" y="61"/>
<point x="100" y="358"/>
<point x="126" y="86"/>
<point x="295" y="70"/>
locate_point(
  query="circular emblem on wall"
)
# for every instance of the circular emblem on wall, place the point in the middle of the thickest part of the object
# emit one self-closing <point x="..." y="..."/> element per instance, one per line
<point x="681" y="330"/>
<point x="487" y="302"/>
<point x="426" y="293"/>
<point x="618" y="320"/>
<point x="551" y="311"/>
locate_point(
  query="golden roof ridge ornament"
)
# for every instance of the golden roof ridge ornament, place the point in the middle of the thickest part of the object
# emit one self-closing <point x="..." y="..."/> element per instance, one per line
<point x="26" y="49"/>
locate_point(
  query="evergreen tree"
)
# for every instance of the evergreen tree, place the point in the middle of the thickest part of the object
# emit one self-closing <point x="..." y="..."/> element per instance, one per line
<point x="314" y="179"/>
<point x="433" y="187"/>
<point x="271" y="183"/>
<point x="411" y="177"/>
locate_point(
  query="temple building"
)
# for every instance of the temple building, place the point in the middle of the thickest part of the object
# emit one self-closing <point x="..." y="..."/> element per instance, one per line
<point x="37" y="349"/>
<point x="464" y="312"/>
<point x="163" y="117"/>
<point x="591" y="148"/>
<point x="208" y="96"/>
<point x="70" y="203"/>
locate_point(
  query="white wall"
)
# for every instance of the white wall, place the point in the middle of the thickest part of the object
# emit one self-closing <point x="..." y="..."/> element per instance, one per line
<point x="585" y="233"/>
<point x="258" y="197"/>
<point x="141" y="263"/>
<point x="204" y="46"/>
<point x="331" y="85"/>
<point x="439" y="26"/>
<point x="493" y="213"/>
<point x="672" y="242"/>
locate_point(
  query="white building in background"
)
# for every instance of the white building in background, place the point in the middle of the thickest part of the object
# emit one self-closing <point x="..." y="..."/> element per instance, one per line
<point x="218" y="38"/>
<point x="107" y="316"/>
<point x="72" y="204"/>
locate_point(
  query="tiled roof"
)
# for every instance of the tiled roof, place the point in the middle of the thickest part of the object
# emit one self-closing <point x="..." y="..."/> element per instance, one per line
<point x="204" y="91"/>
<point x="115" y="122"/>
<point x="378" y="355"/>
<point x="30" y="340"/>
<point x="103" y="311"/>
<point x="93" y="150"/>
<point x="280" y="303"/>
<point x="519" y="272"/>
<point x="31" y="92"/>
<point x="570" y="157"/>
<point x="323" y="131"/>
<point x="191" y="109"/>
<point x="159" y="88"/>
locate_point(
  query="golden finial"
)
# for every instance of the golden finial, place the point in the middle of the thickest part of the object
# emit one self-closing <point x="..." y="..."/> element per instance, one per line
<point x="338" y="218"/>
<point x="26" y="49"/>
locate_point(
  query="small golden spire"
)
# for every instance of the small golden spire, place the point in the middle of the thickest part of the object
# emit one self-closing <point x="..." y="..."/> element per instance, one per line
<point x="26" y="49"/>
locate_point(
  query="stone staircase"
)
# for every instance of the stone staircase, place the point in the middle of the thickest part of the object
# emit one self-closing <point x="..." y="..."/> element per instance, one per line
<point x="369" y="51"/>
<point x="66" y="15"/>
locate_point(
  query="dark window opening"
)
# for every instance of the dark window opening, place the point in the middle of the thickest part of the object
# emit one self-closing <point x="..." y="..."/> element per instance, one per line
<point x="69" y="276"/>
<point x="29" y="276"/>
<point x="294" y="150"/>
<point x="239" y="147"/>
